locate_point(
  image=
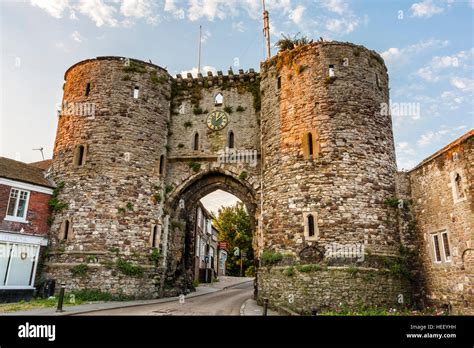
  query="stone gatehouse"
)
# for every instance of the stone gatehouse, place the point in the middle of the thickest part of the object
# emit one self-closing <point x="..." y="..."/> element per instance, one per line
<point x="303" y="143"/>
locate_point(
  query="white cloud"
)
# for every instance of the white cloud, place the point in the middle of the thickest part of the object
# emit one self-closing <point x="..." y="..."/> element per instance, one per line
<point x="337" y="6"/>
<point x="205" y="36"/>
<point x="445" y="133"/>
<point x="463" y="83"/>
<point x="170" y="6"/>
<point x="99" y="12"/>
<point x="425" y="9"/>
<point x="297" y="14"/>
<point x="239" y="26"/>
<point x="426" y="138"/>
<point x="136" y="8"/>
<point x="427" y="74"/>
<point x="431" y="72"/>
<point x="76" y="36"/>
<point x="399" y="56"/>
<point x="194" y="71"/>
<point x="405" y="148"/>
<point x="54" y="7"/>
<point x="342" y="25"/>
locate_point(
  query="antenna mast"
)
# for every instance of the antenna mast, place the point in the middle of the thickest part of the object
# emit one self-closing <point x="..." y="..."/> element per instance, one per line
<point x="199" y="59"/>
<point x="266" y="29"/>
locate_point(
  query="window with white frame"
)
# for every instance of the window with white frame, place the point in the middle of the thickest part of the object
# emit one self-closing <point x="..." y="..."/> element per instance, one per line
<point x="440" y="246"/>
<point x="18" y="204"/>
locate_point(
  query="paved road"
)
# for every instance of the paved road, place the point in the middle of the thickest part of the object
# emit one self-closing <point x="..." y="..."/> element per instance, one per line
<point x="225" y="302"/>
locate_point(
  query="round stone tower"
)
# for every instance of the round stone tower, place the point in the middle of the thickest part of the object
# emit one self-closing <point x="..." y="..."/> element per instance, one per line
<point x="329" y="167"/>
<point x="108" y="163"/>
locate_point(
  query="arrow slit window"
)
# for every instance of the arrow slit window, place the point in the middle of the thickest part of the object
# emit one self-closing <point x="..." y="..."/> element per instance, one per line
<point x="219" y="100"/>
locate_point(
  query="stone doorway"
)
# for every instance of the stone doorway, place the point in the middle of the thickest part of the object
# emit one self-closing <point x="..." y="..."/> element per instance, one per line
<point x="182" y="206"/>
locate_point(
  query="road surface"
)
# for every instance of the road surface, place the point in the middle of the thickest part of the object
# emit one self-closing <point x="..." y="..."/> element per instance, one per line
<point x="224" y="302"/>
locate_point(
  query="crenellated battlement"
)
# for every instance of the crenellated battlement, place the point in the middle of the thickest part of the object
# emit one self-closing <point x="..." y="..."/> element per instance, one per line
<point x="220" y="79"/>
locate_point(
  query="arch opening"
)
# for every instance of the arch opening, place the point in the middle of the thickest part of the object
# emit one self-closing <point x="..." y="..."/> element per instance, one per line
<point x="197" y="205"/>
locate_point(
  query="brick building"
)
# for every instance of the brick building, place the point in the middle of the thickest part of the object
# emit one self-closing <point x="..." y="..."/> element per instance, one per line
<point x="24" y="196"/>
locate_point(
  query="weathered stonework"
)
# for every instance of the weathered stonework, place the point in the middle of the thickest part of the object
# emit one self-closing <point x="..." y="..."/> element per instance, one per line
<point x="437" y="209"/>
<point x="344" y="183"/>
<point x="110" y="197"/>
<point x="321" y="149"/>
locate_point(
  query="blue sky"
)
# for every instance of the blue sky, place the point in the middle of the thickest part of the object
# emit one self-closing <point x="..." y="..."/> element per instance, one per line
<point x="427" y="45"/>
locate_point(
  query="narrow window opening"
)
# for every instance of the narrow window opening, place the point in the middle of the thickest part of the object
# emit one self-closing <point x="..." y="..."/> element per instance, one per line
<point x="136" y="92"/>
<point x="162" y="164"/>
<point x="219" y="100"/>
<point x="88" y="89"/>
<point x="310" y="144"/>
<point x="80" y="155"/>
<point x="331" y="70"/>
<point x="196" y="142"/>
<point x="154" y="237"/>
<point x="377" y="81"/>
<point x="458" y="183"/>
<point x="66" y="229"/>
<point x="310" y="225"/>
<point x="436" y="247"/>
<point x="279" y="82"/>
<point x="231" y="140"/>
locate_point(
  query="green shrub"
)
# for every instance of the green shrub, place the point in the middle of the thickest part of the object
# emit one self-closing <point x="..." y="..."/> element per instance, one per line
<point x="79" y="270"/>
<point x="129" y="268"/>
<point x="269" y="257"/>
<point x="155" y="256"/>
<point x="243" y="175"/>
<point x="195" y="166"/>
<point x="289" y="271"/>
<point x="135" y="67"/>
<point x="392" y="202"/>
<point x="250" y="271"/>
<point x="198" y="110"/>
<point x="188" y="124"/>
<point x="228" y="109"/>
<point x="240" y="108"/>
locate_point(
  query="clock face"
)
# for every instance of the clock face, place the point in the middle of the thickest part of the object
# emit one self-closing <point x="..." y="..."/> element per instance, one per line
<point x="217" y="120"/>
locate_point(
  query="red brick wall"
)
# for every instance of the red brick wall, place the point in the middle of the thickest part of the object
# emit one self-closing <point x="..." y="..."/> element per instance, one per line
<point x="37" y="215"/>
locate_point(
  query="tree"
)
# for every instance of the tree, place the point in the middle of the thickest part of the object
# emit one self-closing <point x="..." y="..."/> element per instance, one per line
<point x="288" y="43"/>
<point x="233" y="224"/>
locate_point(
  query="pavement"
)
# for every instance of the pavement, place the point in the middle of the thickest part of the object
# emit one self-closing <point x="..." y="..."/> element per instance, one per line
<point x="251" y="308"/>
<point x="223" y="284"/>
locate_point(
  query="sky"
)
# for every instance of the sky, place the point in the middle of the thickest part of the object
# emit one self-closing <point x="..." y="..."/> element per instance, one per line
<point x="427" y="46"/>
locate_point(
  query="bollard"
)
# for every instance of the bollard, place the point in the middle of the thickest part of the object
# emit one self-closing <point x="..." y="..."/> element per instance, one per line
<point x="314" y="312"/>
<point x="265" y="306"/>
<point x="61" y="299"/>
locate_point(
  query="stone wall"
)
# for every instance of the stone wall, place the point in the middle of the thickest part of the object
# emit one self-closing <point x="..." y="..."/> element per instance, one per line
<point x="351" y="172"/>
<point x="112" y="199"/>
<point x="438" y="209"/>
<point x="331" y="288"/>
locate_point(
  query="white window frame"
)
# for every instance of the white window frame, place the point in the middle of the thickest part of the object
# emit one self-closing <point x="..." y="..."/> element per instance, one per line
<point x="435" y="259"/>
<point x="14" y="217"/>
<point x="442" y="247"/>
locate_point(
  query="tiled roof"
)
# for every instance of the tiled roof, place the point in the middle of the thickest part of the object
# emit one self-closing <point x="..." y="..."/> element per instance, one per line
<point x="44" y="165"/>
<point x="24" y="172"/>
